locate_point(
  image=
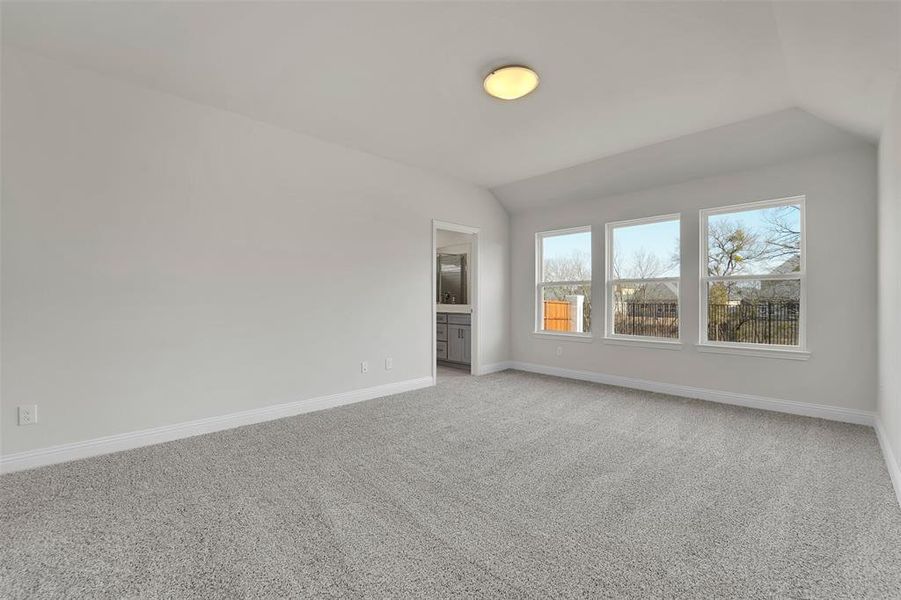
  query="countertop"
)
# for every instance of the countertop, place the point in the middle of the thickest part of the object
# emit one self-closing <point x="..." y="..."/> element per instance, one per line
<point x="453" y="308"/>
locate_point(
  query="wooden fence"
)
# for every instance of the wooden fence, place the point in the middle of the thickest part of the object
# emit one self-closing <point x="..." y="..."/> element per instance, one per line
<point x="557" y="315"/>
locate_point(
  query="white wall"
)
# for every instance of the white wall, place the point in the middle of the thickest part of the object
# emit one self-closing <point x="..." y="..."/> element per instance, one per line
<point x="890" y="278"/>
<point x="841" y="259"/>
<point x="165" y="261"/>
<point x="444" y="237"/>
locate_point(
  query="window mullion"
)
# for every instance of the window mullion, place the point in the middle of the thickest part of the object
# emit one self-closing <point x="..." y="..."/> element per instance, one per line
<point x="650" y="280"/>
<point x="766" y="277"/>
<point x="564" y="283"/>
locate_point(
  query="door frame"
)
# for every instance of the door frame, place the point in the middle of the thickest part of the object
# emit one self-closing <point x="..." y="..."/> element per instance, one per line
<point x="473" y="293"/>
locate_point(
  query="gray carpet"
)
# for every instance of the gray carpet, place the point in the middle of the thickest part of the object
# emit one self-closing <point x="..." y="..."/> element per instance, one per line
<point x="505" y="486"/>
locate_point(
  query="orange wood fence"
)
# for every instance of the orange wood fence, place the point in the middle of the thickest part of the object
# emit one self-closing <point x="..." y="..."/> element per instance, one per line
<point x="557" y="315"/>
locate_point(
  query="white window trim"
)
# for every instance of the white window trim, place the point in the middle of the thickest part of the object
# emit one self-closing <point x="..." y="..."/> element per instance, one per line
<point x="644" y="342"/>
<point x="562" y="335"/>
<point x="610" y="282"/>
<point x="540" y="284"/>
<point x="799" y="352"/>
<point x="783" y="352"/>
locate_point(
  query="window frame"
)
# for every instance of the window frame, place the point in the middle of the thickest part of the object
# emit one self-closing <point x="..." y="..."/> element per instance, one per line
<point x="540" y="284"/>
<point x="799" y="352"/>
<point x="610" y="283"/>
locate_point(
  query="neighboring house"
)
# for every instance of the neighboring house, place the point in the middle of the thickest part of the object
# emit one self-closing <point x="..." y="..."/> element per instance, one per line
<point x="782" y="291"/>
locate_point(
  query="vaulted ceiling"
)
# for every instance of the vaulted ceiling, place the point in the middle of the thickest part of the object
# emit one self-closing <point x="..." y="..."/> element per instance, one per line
<point x="753" y="143"/>
<point x="403" y="80"/>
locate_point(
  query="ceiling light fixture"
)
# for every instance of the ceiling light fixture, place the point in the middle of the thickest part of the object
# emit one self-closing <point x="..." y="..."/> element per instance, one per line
<point x="511" y="82"/>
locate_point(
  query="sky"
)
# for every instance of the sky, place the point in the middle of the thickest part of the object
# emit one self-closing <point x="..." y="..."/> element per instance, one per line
<point x="659" y="239"/>
<point x="565" y="245"/>
<point x="756" y="221"/>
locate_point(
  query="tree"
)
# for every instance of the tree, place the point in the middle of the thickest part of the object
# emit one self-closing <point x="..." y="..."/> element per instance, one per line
<point x="641" y="265"/>
<point x="573" y="267"/>
<point x="734" y="249"/>
<point x="730" y="247"/>
<point x="783" y="239"/>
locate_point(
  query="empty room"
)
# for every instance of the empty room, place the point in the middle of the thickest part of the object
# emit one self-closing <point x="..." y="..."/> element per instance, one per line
<point x="450" y="300"/>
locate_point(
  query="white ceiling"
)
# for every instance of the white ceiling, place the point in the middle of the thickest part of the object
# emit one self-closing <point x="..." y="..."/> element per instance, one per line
<point x="404" y="80"/>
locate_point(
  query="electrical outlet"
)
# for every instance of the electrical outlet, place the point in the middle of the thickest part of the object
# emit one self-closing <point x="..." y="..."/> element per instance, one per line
<point x="559" y="351"/>
<point x="389" y="362"/>
<point x="364" y="367"/>
<point x="28" y="415"/>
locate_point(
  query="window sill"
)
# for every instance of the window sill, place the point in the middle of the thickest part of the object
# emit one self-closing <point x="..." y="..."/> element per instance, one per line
<point x="644" y="343"/>
<point x="571" y="337"/>
<point x="782" y="353"/>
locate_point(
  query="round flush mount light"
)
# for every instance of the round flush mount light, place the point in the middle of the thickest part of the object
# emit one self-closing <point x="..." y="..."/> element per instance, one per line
<point x="511" y="82"/>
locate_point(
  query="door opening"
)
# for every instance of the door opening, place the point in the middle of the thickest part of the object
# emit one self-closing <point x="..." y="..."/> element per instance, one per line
<point x="454" y="307"/>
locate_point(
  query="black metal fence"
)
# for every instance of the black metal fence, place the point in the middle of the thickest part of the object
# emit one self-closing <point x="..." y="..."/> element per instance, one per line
<point x="753" y="323"/>
<point x="649" y="319"/>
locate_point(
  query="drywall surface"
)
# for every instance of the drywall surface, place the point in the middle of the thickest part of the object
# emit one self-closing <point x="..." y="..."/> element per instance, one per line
<point x="444" y="237"/>
<point x="841" y="265"/>
<point x="753" y="143"/>
<point x="164" y="261"/>
<point x="890" y="277"/>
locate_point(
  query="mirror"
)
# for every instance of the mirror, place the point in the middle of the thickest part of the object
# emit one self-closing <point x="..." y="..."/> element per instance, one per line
<point x="452" y="279"/>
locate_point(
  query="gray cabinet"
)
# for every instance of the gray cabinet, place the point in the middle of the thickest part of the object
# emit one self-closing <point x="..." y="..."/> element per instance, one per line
<point x="467" y="344"/>
<point x="454" y="338"/>
<point x="455" y="342"/>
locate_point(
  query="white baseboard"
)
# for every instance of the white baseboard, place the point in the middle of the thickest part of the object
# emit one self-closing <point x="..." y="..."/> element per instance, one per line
<point x="167" y="433"/>
<point x="156" y="435"/>
<point x="495" y="367"/>
<point x="891" y="461"/>
<point x="833" y="413"/>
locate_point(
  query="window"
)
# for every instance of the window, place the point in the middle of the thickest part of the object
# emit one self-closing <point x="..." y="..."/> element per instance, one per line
<point x="643" y="267"/>
<point x="753" y="275"/>
<point x="563" y="281"/>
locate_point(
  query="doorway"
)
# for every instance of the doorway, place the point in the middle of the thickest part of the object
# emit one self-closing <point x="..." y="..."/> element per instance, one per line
<point x="455" y="300"/>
